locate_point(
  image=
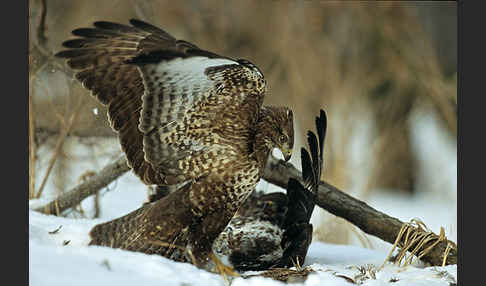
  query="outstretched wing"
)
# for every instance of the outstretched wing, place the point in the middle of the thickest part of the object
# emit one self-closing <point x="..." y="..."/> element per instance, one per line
<point x="182" y="103"/>
<point x="150" y="81"/>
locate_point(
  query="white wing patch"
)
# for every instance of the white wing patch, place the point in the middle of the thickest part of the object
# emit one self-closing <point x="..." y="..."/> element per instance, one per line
<point x="173" y="87"/>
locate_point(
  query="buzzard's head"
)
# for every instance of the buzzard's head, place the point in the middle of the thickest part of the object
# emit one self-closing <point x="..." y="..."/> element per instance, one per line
<point x="280" y="129"/>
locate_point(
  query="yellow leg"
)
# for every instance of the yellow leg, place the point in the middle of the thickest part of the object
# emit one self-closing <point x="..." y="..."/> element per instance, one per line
<point x="223" y="269"/>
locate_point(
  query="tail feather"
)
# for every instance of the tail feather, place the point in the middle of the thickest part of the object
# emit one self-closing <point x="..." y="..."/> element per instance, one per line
<point x="298" y="230"/>
<point x="307" y="173"/>
<point x="116" y="232"/>
<point x="321" y="127"/>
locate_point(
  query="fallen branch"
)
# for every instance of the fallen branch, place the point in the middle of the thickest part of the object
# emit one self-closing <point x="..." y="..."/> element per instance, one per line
<point x="95" y="183"/>
<point x="52" y="161"/>
<point x="368" y="219"/>
<point x="66" y="129"/>
<point x="278" y="172"/>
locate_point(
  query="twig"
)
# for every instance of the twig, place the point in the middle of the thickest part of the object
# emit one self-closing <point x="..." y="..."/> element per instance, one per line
<point x="97" y="205"/>
<point x="31" y="148"/>
<point x="65" y="130"/>
<point x="46" y="57"/>
<point x="287" y="275"/>
<point x="56" y="230"/>
<point x="365" y="241"/>
<point x="62" y="136"/>
<point x="92" y="185"/>
<point x="41" y="29"/>
<point x="39" y="50"/>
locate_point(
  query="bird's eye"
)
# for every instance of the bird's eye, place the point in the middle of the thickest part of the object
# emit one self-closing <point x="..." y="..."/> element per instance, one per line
<point x="267" y="204"/>
<point x="282" y="138"/>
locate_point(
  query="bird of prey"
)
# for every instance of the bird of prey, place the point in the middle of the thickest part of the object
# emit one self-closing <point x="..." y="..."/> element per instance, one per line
<point x="185" y="117"/>
<point x="273" y="230"/>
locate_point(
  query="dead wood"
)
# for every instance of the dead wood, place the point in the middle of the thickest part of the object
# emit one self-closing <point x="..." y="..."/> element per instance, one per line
<point x="95" y="183"/>
<point x="360" y="214"/>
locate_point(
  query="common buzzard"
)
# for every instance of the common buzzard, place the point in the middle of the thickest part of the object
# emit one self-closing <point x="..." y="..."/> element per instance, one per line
<point x="273" y="230"/>
<point x="185" y="117"/>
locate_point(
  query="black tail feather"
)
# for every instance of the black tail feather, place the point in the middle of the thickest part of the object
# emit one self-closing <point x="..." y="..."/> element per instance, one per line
<point x="301" y="196"/>
<point x="312" y="167"/>
<point x="314" y="151"/>
<point x="298" y="230"/>
<point x="321" y="127"/>
<point x="307" y="173"/>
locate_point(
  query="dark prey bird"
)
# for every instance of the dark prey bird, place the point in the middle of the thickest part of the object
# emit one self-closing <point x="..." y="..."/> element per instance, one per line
<point x="273" y="230"/>
<point x="185" y="117"/>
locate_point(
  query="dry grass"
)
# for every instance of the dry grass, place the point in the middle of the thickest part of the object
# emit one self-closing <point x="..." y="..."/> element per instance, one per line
<point x="287" y="275"/>
<point x="32" y="150"/>
<point x="66" y="129"/>
<point x="415" y="240"/>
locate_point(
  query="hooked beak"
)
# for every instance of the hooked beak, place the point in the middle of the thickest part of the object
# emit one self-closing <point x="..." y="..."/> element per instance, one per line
<point x="287" y="154"/>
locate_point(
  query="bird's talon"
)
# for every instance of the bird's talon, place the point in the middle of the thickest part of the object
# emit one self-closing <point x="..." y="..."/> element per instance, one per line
<point x="223" y="269"/>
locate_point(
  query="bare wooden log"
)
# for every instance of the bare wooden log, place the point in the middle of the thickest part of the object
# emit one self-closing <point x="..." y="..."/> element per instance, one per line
<point x="360" y="214"/>
<point x="95" y="183"/>
<point x="278" y="172"/>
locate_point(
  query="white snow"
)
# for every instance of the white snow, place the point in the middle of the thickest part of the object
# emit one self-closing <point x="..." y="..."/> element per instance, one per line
<point x="64" y="258"/>
<point x="52" y="263"/>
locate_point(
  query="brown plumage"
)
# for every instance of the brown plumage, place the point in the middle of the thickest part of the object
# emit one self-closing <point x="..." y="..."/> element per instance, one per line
<point x="191" y="217"/>
<point x="185" y="117"/>
<point x="274" y="230"/>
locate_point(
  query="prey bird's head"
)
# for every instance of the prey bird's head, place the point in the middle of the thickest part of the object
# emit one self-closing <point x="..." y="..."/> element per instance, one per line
<point x="279" y="125"/>
<point x="271" y="207"/>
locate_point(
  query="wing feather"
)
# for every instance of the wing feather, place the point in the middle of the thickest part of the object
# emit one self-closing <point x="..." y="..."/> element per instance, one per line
<point x="149" y="80"/>
<point x="174" y="90"/>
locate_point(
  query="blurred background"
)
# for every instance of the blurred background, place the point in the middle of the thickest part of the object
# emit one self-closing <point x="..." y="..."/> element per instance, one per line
<point x="385" y="72"/>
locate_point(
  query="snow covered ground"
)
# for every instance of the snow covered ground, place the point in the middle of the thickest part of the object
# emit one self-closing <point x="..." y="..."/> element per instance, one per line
<point x="59" y="255"/>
